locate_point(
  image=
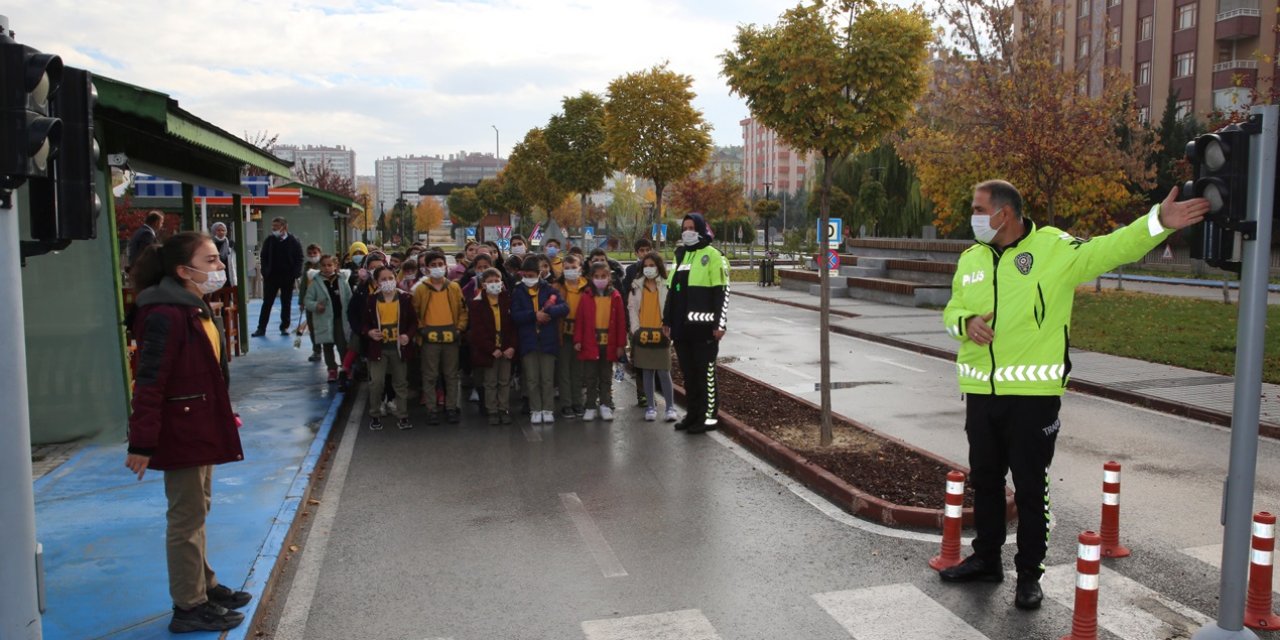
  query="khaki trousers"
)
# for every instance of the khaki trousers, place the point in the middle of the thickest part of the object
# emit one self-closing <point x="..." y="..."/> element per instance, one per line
<point x="539" y="372"/>
<point x="441" y="361"/>
<point x="497" y="386"/>
<point x="189" y="492"/>
<point x="599" y="377"/>
<point x="378" y="370"/>
<point x="569" y="375"/>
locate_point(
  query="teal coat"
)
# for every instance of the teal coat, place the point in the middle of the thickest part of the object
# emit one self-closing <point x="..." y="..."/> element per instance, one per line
<point x="317" y="292"/>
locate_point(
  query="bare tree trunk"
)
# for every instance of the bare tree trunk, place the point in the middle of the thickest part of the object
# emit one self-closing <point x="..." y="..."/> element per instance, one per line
<point x="824" y="316"/>
<point x="584" y="209"/>
<point x="658" y="186"/>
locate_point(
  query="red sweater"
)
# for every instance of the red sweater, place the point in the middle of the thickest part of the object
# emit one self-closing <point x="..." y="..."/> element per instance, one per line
<point x="584" y="328"/>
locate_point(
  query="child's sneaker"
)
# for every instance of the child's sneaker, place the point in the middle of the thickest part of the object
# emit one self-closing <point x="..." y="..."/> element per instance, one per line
<point x="605" y="412"/>
<point x="567" y="412"/>
<point x="589" y="415"/>
<point x="433" y="418"/>
<point x="344" y="382"/>
<point x="671" y="415"/>
<point x="535" y="417"/>
<point x="504" y="417"/>
<point x="650" y="414"/>
<point x="375" y="424"/>
<point x="548" y="417"/>
<point x="403" y="424"/>
<point x="453" y="416"/>
<point x="495" y="419"/>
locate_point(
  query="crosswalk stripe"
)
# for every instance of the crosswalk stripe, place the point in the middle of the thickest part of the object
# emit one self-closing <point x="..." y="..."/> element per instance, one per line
<point x="688" y="624"/>
<point x="894" y="612"/>
<point x="1212" y="556"/>
<point x="1126" y="608"/>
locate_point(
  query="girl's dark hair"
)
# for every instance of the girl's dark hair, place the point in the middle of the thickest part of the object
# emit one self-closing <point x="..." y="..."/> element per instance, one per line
<point x="482" y="256"/>
<point x="531" y="263"/>
<point x="160" y="260"/>
<point x="656" y="259"/>
<point x="432" y="256"/>
<point x="490" y="273"/>
<point x="598" y="252"/>
<point x="514" y="263"/>
<point x="601" y="267"/>
<point x="326" y="257"/>
<point x="378" y="272"/>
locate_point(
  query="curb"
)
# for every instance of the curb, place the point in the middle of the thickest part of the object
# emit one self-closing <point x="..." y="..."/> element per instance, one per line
<point x="840" y="493"/>
<point x="264" y="571"/>
<point x="807" y="307"/>
<point x="1171" y="407"/>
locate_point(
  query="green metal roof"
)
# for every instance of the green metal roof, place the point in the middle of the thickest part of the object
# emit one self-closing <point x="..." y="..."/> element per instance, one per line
<point x="144" y="111"/>
<point x="327" y="196"/>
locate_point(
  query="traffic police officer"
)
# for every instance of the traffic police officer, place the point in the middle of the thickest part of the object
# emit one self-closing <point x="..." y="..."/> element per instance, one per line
<point x="695" y="317"/>
<point x="1010" y="310"/>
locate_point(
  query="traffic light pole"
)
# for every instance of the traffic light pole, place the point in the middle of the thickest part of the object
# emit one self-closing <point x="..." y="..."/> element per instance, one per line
<point x="19" y="606"/>
<point x="1251" y="324"/>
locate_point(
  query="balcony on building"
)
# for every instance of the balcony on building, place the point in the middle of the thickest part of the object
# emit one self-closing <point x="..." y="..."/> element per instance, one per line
<point x="1237" y="19"/>
<point x="1235" y="73"/>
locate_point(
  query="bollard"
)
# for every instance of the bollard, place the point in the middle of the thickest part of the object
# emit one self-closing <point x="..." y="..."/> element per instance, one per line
<point x="951" y="523"/>
<point x="1110" y="530"/>
<point x="1084" y="620"/>
<point x="1257" y="611"/>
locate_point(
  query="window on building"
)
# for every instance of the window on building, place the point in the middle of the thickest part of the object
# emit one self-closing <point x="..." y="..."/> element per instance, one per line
<point x="1144" y="74"/>
<point x="1113" y="38"/>
<point x="1057" y="56"/>
<point x="1183" y="109"/>
<point x="1184" y="64"/>
<point x="1145" y="26"/>
<point x="1082" y="87"/>
<point x="1058" y="20"/>
<point x="1113" y="3"/>
<point x="1082" y="9"/>
<point x="1186" y="16"/>
<point x="1082" y="47"/>
<point x="1144" y="115"/>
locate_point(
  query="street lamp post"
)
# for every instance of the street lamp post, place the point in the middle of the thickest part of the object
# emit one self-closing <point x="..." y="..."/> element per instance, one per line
<point x="497" y="146"/>
<point x="767" y="185"/>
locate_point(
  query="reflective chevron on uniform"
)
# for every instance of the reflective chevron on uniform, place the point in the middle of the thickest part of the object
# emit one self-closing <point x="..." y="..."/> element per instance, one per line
<point x="1030" y="373"/>
<point x="700" y="316"/>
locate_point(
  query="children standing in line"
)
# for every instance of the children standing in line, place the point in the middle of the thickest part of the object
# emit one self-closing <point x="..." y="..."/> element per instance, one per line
<point x="492" y="338"/>
<point x="650" y="348"/>
<point x="442" y="317"/>
<point x="328" y="296"/>
<point x="536" y="308"/>
<point x="314" y="253"/>
<point x="389" y="322"/>
<point x="599" y="337"/>
<point x="568" y="366"/>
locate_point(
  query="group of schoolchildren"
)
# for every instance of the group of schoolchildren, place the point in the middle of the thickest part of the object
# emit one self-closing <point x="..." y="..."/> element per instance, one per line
<point x="560" y="323"/>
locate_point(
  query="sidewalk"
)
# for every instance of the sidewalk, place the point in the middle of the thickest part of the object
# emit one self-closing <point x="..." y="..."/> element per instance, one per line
<point x="1195" y="394"/>
<point x="103" y="531"/>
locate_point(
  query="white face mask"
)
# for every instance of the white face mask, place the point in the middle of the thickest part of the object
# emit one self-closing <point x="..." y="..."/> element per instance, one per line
<point x="530" y="282"/>
<point x="982" y="230"/>
<point x="650" y="272"/>
<point x="494" y="288"/>
<point x="213" y="280"/>
<point x="437" y="272"/>
<point x="519" y="250"/>
<point x="278" y="234"/>
<point x="387" y="286"/>
<point x="313" y="259"/>
<point x="572" y="275"/>
<point x="689" y="238"/>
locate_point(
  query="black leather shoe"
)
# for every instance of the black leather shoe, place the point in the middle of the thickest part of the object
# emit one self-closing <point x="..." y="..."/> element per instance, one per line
<point x="973" y="569"/>
<point x="1028" y="594"/>
<point x="259" y="333"/>
<point x="204" y="617"/>
<point x="227" y="597"/>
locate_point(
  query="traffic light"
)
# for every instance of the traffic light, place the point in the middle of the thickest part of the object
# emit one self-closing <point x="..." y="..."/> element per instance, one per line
<point x="1220" y="165"/>
<point x="29" y="134"/>
<point x="76" y="166"/>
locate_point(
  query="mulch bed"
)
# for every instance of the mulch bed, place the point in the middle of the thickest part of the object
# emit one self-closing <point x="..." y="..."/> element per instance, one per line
<point x="865" y="460"/>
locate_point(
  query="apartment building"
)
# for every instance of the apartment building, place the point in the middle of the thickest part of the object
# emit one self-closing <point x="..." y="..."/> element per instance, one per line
<point x="768" y="160"/>
<point x="1207" y="52"/>
<point x="340" y="159"/>
<point x="395" y="175"/>
<point x="470" y="168"/>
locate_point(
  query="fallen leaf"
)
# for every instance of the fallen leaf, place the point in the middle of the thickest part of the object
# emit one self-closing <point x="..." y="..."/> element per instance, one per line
<point x="313" y="501"/>
<point x="293" y="548"/>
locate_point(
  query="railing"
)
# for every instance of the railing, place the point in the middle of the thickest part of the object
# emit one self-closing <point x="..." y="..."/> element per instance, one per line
<point x="1236" y="64"/>
<point x="1235" y="13"/>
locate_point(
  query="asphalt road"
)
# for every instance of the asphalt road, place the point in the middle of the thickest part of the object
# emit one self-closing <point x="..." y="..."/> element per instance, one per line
<point x="628" y="530"/>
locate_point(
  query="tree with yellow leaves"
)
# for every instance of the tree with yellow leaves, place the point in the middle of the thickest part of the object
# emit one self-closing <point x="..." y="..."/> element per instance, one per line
<point x="428" y="214"/>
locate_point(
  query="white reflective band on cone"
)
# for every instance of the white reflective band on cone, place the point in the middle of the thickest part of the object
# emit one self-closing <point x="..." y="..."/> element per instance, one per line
<point x="1111" y="476"/>
<point x="1265" y="531"/>
<point x="957" y="488"/>
<point x="1112" y="499"/>
<point x="1261" y="558"/>
<point x="1090" y="552"/>
<point x="952" y="511"/>
<point x="1087" y="581"/>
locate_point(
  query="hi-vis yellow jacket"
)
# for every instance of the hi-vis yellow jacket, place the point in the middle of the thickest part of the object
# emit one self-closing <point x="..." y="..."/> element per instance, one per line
<point x="1030" y="286"/>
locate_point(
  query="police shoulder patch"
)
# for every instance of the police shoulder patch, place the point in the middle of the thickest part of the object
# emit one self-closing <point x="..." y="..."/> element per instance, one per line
<point x="1024" y="262"/>
<point x="706" y="259"/>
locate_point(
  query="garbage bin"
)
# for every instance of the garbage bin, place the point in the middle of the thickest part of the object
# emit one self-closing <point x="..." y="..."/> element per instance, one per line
<point x="766" y="272"/>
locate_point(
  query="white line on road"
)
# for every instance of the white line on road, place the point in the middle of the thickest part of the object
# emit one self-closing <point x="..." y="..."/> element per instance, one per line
<point x="786" y="321"/>
<point x="599" y="547"/>
<point x="297" y="607"/>
<point x="530" y="433"/>
<point x="1212" y="556"/>
<point x="894" y="363"/>
<point x="894" y="612"/>
<point x="689" y="624"/>
<point x="795" y="372"/>
<point x="1126" y="608"/>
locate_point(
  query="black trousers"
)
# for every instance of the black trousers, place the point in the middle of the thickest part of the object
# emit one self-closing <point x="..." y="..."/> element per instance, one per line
<point x="698" y="366"/>
<point x="1015" y="433"/>
<point x="269" y="292"/>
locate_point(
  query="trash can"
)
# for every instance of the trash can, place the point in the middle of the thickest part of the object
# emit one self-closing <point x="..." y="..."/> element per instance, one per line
<point x="766" y="272"/>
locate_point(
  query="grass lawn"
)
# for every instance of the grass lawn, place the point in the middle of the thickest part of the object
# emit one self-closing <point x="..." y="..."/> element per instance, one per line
<point x="1185" y="332"/>
<point x="751" y="275"/>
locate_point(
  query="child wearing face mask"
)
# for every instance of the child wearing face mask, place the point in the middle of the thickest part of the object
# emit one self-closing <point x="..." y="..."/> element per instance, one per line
<point x="553" y="255"/>
<point x="442" y="317"/>
<point x="519" y="246"/>
<point x="536" y="308"/>
<point x="650" y="348"/>
<point x="599" y="338"/>
<point x="409" y="275"/>
<point x="328" y="296"/>
<point x="314" y="254"/>
<point x="492" y="341"/>
<point x="568" y="366"/>
<point x="388" y="323"/>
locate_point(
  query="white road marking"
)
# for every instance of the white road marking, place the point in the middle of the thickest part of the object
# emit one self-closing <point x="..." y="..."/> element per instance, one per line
<point x="894" y="612"/>
<point x="1126" y="608"/>
<point x="894" y="364"/>
<point x="599" y="547"/>
<point x="795" y="372"/>
<point x="530" y="433"/>
<point x="1212" y="556"/>
<point x="786" y="321"/>
<point x="824" y="505"/>
<point x="297" y="607"/>
<point x="688" y="624"/>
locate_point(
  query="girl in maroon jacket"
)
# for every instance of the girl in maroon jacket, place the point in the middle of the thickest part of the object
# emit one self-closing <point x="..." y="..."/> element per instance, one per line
<point x="182" y="423"/>
<point x="492" y="338"/>
<point x="599" y="337"/>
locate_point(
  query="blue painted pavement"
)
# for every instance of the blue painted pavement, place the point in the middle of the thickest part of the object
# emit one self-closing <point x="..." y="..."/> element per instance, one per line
<point x="103" y="530"/>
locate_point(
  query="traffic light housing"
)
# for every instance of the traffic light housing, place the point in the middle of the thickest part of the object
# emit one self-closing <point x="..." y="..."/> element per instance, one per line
<point x="29" y="134"/>
<point x="76" y="166"/>
<point x="1220" y="166"/>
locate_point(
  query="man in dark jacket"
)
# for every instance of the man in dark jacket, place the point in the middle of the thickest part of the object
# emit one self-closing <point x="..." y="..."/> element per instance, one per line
<point x="695" y="317"/>
<point x="145" y="236"/>
<point x="281" y="264"/>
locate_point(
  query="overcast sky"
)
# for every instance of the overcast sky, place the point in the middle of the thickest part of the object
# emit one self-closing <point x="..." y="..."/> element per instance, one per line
<point x="394" y="77"/>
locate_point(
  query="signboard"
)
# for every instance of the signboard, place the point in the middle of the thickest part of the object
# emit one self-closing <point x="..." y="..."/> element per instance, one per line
<point x="504" y="233"/>
<point x="833" y="262"/>
<point x="835" y="232"/>
<point x="504" y="244"/>
<point x="588" y="234"/>
<point x="535" y="238"/>
<point x="471" y="234"/>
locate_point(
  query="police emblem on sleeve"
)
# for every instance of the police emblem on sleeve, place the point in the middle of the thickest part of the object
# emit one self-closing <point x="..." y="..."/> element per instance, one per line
<point x="1023" y="262"/>
<point x="706" y="260"/>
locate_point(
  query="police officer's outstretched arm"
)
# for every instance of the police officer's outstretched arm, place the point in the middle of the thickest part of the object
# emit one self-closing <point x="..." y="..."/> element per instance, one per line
<point x="1087" y="260"/>
<point x="957" y="314"/>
